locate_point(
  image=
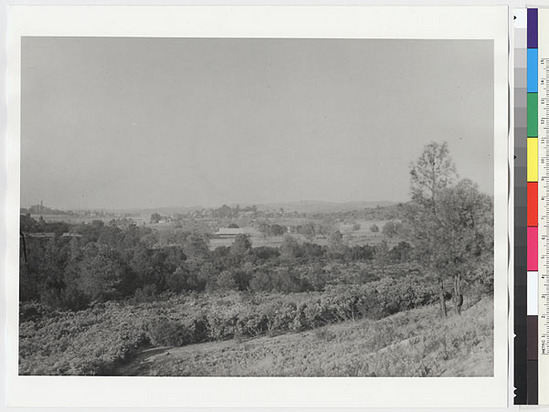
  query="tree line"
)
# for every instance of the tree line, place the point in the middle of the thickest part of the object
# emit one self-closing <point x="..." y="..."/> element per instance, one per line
<point x="95" y="262"/>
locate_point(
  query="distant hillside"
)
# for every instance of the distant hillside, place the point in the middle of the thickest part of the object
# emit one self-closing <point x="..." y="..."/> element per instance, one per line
<point x="304" y="206"/>
<point x="40" y="209"/>
<point x="317" y="206"/>
<point x="165" y="210"/>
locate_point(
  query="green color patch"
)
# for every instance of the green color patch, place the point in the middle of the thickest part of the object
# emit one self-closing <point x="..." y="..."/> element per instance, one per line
<point x="532" y="107"/>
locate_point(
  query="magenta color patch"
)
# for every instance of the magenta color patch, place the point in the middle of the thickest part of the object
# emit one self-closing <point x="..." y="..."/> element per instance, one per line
<point x="532" y="249"/>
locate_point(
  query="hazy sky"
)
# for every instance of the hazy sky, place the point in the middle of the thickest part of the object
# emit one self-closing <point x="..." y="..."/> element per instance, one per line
<point x="124" y="123"/>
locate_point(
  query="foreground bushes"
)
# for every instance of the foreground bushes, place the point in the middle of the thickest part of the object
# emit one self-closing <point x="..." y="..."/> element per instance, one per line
<point x="91" y="342"/>
<point x="96" y="341"/>
<point x="418" y="343"/>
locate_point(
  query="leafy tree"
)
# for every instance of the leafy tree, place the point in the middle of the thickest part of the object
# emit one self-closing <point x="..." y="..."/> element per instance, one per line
<point x="206" y="276"/>
<point x="263" y="253"/>
<point x="242" y="279"/>
<point x="290" y="250"/>
<point x="357" y="252"/>
<point x="425" y="183"/>
<point x="272" y="230"/>
<point x="317" y="277"/>
<point x="196" y="247"/>
<point x="239" y="252"/>
<point x="336" y="245"/>
<point x="401" y="252"/>
<point x="241" y="245"/>
<point x="313" y="251"/>
<point x="110" y="235"/>
<point x="261" y="281"/>
<point x="432" y="172"/>
<point x="90" y="232"/>
<point x="224" y="212"/>
<point x="382" y="255"/>
<point x="278" y="230"/>
<point x="155" y="218"/>
<point x="148" y="240"/>
<point x="374" y="228"/>
<point x="466" y="231"/>
<point x="449" y="223"/>
<point x="391" y="229"/>
<point x="101" y="274"/>
<point x="152" y="266"/>
<point x="226" y="280"/>
<point x="284" y="280"/>
<point x="308" y="230"/>
<point x="177" y="281"/>
<point x="28" y="225"/>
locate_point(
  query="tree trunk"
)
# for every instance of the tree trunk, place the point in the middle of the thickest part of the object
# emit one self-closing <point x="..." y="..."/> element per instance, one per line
<point x="458" y="296"/>
<point x="443" y="310"/>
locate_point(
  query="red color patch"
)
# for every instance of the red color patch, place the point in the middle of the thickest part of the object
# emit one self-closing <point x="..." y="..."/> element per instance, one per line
<point x="532" y="204"/>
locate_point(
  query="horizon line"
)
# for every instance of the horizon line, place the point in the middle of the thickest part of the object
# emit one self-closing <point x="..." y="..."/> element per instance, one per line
<point x="218" y="205"/>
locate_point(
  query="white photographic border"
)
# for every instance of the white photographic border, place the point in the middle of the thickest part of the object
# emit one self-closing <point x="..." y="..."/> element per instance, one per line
<point x="260" y="22"/>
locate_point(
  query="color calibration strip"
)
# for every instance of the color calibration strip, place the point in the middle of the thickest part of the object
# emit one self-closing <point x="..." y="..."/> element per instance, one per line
<point x="531" y="249"/>
<point x="532" y="206"/>
<point x="520" y="210"/>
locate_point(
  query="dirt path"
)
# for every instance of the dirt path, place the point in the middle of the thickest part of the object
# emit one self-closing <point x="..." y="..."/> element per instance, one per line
<point x="141" y="364"/>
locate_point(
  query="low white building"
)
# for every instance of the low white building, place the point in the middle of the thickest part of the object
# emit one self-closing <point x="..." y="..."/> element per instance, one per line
<point x="229" y="232"/>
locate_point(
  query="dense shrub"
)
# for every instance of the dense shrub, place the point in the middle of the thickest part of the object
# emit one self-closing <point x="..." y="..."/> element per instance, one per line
<point x="392" y="229"/>
<point x="264" y="253"/>
<point x="90" y="342"/>
<point x="284" y="279"/>
<point x="167" y="332"/>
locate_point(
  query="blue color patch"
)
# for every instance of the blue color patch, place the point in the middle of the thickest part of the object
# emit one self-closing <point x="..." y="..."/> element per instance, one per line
<point x="532" y="71"/>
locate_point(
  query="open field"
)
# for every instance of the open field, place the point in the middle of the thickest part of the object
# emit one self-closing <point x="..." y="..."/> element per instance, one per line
<point x="417" y="342"/>
<point x="360" y="236"/>
<point x="354" y="237"/>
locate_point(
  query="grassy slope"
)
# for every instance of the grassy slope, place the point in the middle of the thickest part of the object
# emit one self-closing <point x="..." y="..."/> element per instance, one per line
<point x="413" y="343"/>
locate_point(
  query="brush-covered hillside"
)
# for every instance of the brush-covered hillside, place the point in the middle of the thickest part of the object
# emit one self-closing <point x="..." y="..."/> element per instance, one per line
<point x="418" y="342"/>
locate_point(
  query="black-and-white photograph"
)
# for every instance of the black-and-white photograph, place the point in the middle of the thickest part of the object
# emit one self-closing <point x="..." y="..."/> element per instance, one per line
<point x="256" y="207"/>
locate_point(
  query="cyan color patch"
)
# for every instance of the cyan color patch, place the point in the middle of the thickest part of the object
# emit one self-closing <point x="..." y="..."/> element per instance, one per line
<point x="532" y="69"/>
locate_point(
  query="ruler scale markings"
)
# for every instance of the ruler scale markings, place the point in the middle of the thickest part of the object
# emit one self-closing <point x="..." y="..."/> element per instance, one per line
<point x="543" y="199"/>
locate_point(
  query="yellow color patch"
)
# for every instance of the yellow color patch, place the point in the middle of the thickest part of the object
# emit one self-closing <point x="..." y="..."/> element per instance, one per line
<point x="532" y="159"/>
